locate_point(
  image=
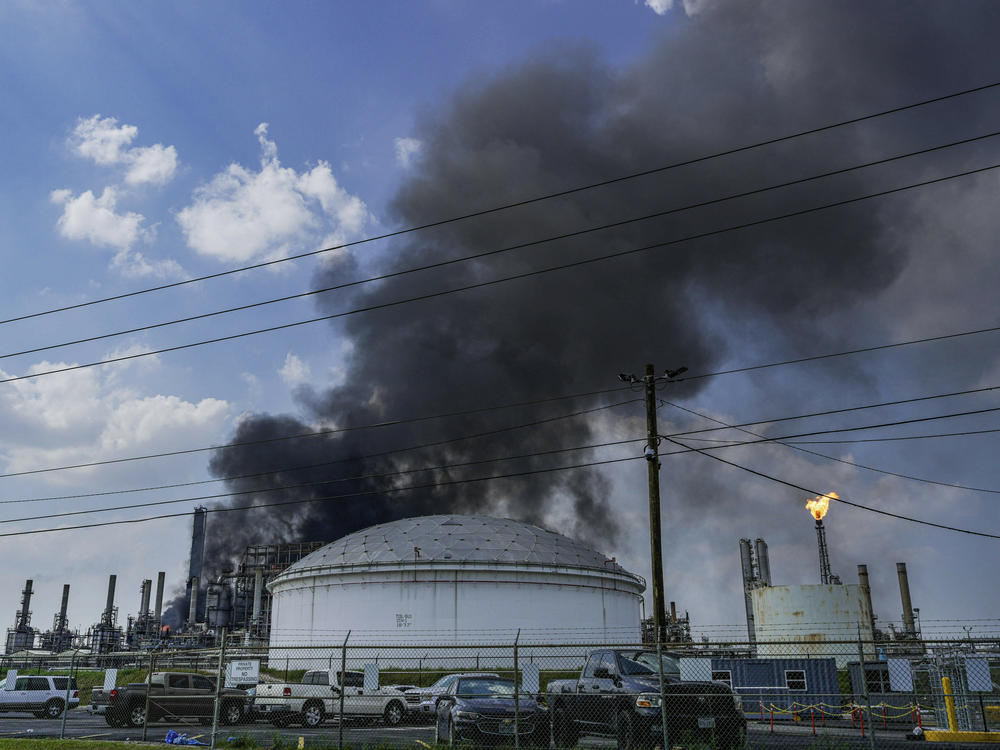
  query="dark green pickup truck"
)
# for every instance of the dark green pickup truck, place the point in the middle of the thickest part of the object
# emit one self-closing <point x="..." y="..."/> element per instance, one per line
<point x="173" y="695"/>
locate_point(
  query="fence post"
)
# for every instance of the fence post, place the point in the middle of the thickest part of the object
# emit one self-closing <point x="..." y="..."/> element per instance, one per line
<point x="149" y="689"/>
<point x="663" y="702"/>
<point x="69" y="679"/>
<point x="340" y="685"/>
<point x="517" y="688"/>
<point x="218" y="686"/>
<point x="868" y="698"/>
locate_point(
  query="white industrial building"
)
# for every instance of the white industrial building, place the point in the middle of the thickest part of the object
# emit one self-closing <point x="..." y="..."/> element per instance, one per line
<point x="813" y="620"/>
<point x="454" y="579"/>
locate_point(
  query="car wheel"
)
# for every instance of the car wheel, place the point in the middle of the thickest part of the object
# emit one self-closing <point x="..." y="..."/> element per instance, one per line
<point x="232" y="713"/>
<point x="53" y="709"/>
<point x="623" y="730"/>
<point x="312" y="714"/>
<point x="136" y="716"/>
<point x="437" y="731"/>
<point x="393" y="713"/>
<point x="452" y="739"/>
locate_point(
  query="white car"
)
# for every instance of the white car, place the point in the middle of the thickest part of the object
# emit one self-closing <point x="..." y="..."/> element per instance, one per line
<point x="45" y="697"/>
<point x="423" y="700"/>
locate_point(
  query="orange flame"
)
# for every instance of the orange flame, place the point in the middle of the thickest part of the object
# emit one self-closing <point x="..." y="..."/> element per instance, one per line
<point x="820" y="505"/>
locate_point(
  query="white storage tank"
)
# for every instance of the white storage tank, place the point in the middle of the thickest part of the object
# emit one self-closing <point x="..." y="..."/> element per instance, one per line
<point x="818" y="620"/>
<point x="451" y="579"/>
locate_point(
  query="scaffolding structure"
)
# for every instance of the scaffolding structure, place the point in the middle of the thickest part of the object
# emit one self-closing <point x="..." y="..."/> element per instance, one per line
<point x="248" y="608"/>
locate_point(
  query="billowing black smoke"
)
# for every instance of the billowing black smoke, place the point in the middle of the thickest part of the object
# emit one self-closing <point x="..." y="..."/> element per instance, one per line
<point x="734" y="74"/>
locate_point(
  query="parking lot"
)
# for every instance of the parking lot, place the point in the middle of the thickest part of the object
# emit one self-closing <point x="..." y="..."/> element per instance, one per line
<point x="82" y="725"/>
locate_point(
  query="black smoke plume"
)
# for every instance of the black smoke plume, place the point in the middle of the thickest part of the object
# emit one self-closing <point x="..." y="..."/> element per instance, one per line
<point x="734" y="74"/>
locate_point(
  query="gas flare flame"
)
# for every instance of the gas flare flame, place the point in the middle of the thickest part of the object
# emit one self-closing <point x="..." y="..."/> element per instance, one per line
<point x="820" y="505"/>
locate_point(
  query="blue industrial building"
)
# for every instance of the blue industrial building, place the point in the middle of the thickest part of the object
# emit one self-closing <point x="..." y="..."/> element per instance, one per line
<point x="786" y="684"/>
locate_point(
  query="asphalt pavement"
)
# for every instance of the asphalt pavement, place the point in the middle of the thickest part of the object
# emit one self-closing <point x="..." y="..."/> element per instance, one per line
<point x="82" y="725"/>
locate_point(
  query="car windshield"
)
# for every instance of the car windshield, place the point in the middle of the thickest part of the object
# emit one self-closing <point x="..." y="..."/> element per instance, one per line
<point x="633" y="667"/>
<point x="671" y="664"/>
<point x="485" y="687"/>
<point x="444" y="681"/>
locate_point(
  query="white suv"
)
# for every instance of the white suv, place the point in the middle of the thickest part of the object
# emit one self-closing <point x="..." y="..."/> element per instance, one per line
<point x="45" y="697"/>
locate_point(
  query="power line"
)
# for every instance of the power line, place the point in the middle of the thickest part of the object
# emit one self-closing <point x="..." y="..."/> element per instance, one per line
<point x="469" y="463"/>
<point x="523" y="275"/>
<point x="437" y="485"/>
<point x="497" y="407"/>
<point x="879" y="511"/>
<point x="361" y="477"/>
<point x="896" y="423"/>
<point x="340" y="430"/>
<point x="517" y="204"/>
<point x="494" y="252"/>
<point x="417" y="470"/>
<point x="797" y="446"/>
<point x="899" y="437"/>
<point x="825" y="413"/>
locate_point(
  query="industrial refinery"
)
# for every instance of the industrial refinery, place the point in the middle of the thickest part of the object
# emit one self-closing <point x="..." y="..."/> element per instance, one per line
<point x="446" y="576"/>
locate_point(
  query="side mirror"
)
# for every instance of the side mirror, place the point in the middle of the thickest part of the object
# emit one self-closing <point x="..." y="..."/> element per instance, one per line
<point x="334" y="689"/>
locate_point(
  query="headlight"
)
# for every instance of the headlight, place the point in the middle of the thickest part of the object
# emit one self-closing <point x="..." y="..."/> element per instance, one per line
<point x="466" y="715"/>
<point x="647" y="700"/>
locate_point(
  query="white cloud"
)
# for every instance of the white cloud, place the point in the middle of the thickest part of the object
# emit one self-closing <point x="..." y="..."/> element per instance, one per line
<point x="87" y="217"/>
<point x="691" y="7"/>
<point x="107" y="143"/>
<point x="243" y="215"/>
<point x="133" y="264"/>
<point x="294" y="371"/>
<point x="155" y="164"/>
<point x="89" y="414"/>
<point x="407" y="149"/>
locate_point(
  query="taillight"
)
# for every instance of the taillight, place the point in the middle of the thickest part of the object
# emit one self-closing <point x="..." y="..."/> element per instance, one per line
<point x="113" y="695"/>
<point x="286" y="692"/>
<point x="76" y="693"/>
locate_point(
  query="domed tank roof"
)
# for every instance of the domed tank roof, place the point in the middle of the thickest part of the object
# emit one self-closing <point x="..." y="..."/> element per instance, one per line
<point x="455" y="539"/>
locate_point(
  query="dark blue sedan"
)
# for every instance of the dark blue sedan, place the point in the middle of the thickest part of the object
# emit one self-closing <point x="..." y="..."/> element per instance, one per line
<point x="481" y="710"/>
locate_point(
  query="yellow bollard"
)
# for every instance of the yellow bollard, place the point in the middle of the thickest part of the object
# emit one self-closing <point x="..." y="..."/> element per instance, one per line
<point x="949" y="704"/>
<point x="302" y="742"/>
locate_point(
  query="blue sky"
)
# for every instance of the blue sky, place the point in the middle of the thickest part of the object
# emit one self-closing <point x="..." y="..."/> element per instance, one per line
<point x="145" y="145"/>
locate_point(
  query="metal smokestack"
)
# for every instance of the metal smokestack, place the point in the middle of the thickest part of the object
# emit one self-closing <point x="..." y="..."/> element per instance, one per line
<point x="904" y="596"/>
<point x="110" y="606"/>
<point x="63" y="623"/>
<point x="866" y="591"/>
<point x="160" y="578"/>
<point x="147" y="588"/>
<point x="197" y="558"/>
<point x="193" y="609"/>
<point x="746" y="561"/>
<point x="763" y="562"/>
<point x="24" y="616"/>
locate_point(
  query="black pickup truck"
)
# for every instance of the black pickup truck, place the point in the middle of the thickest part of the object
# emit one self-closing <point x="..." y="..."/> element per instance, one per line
<point x="619" y="697"/>
<point x="174" y="695"/>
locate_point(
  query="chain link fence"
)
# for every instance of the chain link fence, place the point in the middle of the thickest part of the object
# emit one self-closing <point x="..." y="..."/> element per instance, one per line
<point x="357" y="693"/>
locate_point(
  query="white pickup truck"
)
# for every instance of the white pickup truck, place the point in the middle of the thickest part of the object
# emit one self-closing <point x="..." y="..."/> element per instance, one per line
<point x="315" y="699"/>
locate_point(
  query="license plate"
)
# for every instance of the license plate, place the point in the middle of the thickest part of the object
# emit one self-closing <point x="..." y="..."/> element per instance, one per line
<point x="506" y="726"/>
<point x="706" y="722"/>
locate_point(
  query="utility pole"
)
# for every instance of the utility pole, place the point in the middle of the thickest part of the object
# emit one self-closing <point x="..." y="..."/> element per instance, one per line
<point x="649" y="382"/>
